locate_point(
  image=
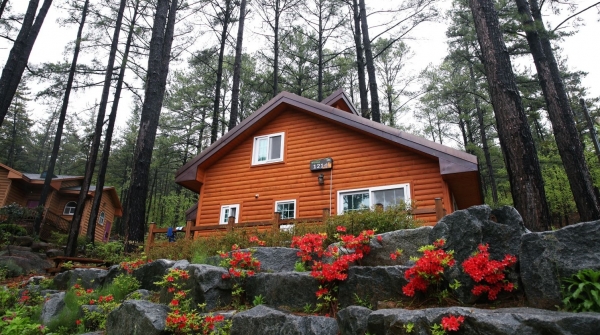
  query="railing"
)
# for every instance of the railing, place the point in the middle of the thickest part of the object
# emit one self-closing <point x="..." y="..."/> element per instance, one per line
<point x="53" y="222"/>
<point x="275" y="223"/>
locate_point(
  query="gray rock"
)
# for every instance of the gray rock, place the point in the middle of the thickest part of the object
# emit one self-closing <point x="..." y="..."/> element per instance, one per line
<point x="409" y="240"/>
<point x="208" y="286"/>
<point x="289" y="290"/>
<point x="112" y="273"/>
<point x="150" y="273"/>
<point x="264" y="320"/>
<point x="353" y="320"/>
<point x="504" y="321"/>
<point x="22" y="241"/>
<point x="137" y="317"/>
<point x="54" y="253"/>
<point x="24" y="264"/>
<point x="53" y="305"/>
<point x="547" y="258"/>
<point x="276" y="259"/>
<point x="40" y="246"/>
<point x="372" y="284"/>
<point x="87" y="278"/>
<point x="140" y="294"/>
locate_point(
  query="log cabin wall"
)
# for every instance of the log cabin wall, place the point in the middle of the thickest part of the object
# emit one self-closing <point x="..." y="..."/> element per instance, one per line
<point x="359" y="161"/>
<point x="4" y="186"/>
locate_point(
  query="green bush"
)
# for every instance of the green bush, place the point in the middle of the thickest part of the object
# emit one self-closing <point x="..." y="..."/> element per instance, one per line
<point x="581" y="292"/>
<point x="111" y="251"/>
<point x="121" y="286"/>
<point x="12" y="229"/>
<point x="391" y="219"/>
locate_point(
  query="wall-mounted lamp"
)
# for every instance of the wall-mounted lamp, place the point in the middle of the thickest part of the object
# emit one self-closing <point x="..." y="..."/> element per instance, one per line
<point x="321" y="179"/>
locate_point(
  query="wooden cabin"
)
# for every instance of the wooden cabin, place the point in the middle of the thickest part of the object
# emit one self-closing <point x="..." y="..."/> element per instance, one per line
<point x="299" y="157"/>
<point x="25" y="190"/>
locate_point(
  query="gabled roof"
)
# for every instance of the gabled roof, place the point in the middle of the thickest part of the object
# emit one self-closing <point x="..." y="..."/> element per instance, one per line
<point x="340" y="100"/>
<point x="110" y="190"/>
<point x="451" y="161"/>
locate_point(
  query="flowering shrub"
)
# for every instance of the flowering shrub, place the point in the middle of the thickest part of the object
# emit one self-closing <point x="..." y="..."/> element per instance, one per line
<point x="133" y="265"/>
<point x="97" y="319"/>
<point x="428" y="269"/>
<point x="240" y="264"/>
<point x="183" y="319"/>
<point x="490" y="273"/>
<point x="351" y="248"/>
<point x="449" y="323"/>
<point x="17" y="312"/>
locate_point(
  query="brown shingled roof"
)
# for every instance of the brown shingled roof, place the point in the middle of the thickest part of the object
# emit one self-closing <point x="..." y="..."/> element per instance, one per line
<point x="451" y="160"/>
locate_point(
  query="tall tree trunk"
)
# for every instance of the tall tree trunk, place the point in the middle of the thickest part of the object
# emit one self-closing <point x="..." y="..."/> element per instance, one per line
<point x="560" y="113"/>
<point x="523" y="167"/>
<point x="91" y="232"/>
<point x="61" y="119"/>
<point x="593" y="134"/>
<point x="360" y="62"/>
<point x="276" y="50"/>
<point x="158" y="69"/>
<point x="484" y="142"/>
<point x="320" y="57"/>
<point x="2" y="6"/>
<point x="19" y="54"/>
<point x="95" y="146"/>
<point x="214" y="131"/>
<point x="375" y="114"/>
<point x="237" y="68"/>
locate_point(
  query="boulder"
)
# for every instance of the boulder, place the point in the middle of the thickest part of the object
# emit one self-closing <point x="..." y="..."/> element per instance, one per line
<point x="372" y="284"/>
<point x="353" y="320"/>
<point x="264" y="320"/>
<point x="53" y="305"/>
<point x="140" y="294"/>
<point x="152" y="272"/>
<point x="20" y="262"/>
<point x="288" y="290"/>
<point x="22" y="241"/>
<point x="51" y="253"/>
<point x="276" y="259"/>
<point x="547" y="258"/>
<point x="503" y="321"/>
<point x="207" y="286"/>
<point x="87" y="278"/>
<point x="409" y="240"/>
<point x="465" y="230"/>
<point x="40" y="246"/>
<point x="137" y="317"/>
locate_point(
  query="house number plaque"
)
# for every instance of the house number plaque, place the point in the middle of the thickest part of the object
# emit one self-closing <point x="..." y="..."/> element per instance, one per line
<point x="321" y="164"/>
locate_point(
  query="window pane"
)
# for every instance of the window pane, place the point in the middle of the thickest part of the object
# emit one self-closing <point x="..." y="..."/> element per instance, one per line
<point x="262" y="149"/>
<point x="225" y="214"/>
<point x="389" y="197"/>
<point x="356" y="201"/>
<point x="233" y="212"/>
<point x="286" y="209"/>
<point x="275" y="145"/>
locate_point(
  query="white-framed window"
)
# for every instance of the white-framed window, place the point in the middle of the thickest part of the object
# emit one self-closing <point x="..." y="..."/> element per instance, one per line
<point x="268" y="149"/>
<point x="101" y="218"/>
<point x="358" y="199"/>
<point x="229" y="210"/>
<point x="287" y="208"/>
<point x="70" y="208"/>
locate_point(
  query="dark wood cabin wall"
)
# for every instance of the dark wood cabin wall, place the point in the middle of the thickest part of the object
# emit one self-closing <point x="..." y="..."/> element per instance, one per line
<point x="359" y="161"/>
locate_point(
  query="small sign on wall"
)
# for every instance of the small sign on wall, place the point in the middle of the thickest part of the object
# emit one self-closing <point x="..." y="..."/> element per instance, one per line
<point x="321" y="164"/>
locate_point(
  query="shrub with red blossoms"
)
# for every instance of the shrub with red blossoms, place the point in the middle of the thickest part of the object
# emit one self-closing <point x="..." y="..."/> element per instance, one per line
<point x="452" y="323"/>
<point x="490" y="274"/>
<point x="309" y="245"/>
<point x="428" y="269"/>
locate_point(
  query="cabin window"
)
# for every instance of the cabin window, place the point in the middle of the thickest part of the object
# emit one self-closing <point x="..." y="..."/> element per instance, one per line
<point x="287" y="209"/>
<point x="227" y="211"/>
<point x="354" y="200"/>
<point x="101" y="219"/>
<point x="267" y="149"/>
<point x="70" y="208"/>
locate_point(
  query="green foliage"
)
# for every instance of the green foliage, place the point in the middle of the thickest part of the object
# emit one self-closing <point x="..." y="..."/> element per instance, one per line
<point x="65" y="322"/>
<point x="121" y="286"/>
<point x="58" y="238"/>
<point x="258" y="300"/>
<point x="10" y="269"/>
<point x="362" y="302"/>
<point x="391" y="219"/>
<point x="581" y="292"/>
<point x="111" y="251"/>
<point x="300" y="267"/>
<point x="19" y="312"/>
<point x="409" y="327"/>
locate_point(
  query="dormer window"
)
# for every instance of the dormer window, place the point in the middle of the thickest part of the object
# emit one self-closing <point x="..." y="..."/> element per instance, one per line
<point x="268" y="149"/>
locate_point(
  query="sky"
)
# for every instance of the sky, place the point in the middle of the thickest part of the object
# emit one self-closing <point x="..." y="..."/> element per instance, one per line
<point x="428" y="43"/>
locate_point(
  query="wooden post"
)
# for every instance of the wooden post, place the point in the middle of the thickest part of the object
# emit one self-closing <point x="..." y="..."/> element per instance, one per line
<point x="439" y="209"/>
<point x="150" y="239"/>
<point x="326" y="215"/>
<point x="276" y="219"/>
<point x="188" y="230"/>
<point x="230" y="223"/>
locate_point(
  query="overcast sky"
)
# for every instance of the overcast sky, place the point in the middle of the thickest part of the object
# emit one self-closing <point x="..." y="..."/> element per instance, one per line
<point x="582" y="50"/>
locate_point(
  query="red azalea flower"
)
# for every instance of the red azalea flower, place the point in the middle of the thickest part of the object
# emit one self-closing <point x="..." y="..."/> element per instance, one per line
<point x="452" y="323"/>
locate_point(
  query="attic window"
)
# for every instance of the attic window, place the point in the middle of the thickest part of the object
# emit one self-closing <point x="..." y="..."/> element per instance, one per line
<point x="70" y="208"/>
<point x="268" y="149"/>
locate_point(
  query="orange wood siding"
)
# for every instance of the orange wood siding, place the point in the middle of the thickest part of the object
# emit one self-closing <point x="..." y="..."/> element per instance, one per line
<point x="16" y="194"/>
<point x="4" y="186"/>
<point x="106" y="206"/>
<point x="359" y="161"/>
